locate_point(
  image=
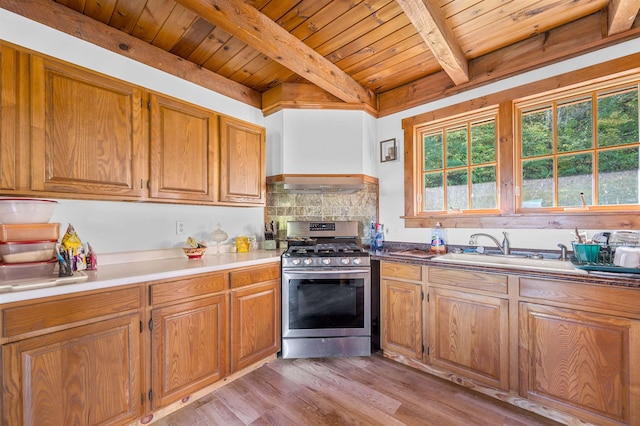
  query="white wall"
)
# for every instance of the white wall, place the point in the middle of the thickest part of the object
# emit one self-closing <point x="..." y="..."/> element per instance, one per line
<point x="117" y="226"/>
<point x="391" y="174"/>
<point x="319" y="142"/>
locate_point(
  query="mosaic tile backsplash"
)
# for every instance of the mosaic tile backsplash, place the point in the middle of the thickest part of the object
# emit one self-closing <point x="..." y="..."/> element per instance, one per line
<point x="361" y="206"/>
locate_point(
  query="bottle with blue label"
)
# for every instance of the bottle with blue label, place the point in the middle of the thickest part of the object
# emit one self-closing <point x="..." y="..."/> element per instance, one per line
<point x="376" y="237"/>
<point x="438" y="245"/>
<point x="379" y="238"/>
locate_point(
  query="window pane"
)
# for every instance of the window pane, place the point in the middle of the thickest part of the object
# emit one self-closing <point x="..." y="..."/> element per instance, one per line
<point x="433" y="191"/>
<point x="483" y="188"/>
<point x="458" y="189"/>
<point x="457" y="147"/>
<point x="483" y="142"/>
<point x="575" y="126"/>
<point x="575" y="176"/>
<point x="618" y="177"/>
<point x="433" y="151"/>
<point x="537" y="183"/>
<point x="537" y="132"/>
<point x="618" y="118"/>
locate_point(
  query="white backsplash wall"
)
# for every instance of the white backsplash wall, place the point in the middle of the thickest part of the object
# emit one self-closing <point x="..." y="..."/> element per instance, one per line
<point x="284" y="207"/>
<point x="113" y="227"/>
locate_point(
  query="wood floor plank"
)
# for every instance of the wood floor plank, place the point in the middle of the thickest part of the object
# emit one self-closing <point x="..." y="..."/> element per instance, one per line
<point x="347" y="391"/>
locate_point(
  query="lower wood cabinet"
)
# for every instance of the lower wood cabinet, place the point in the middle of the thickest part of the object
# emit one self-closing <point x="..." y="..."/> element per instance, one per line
<point x="469" y="335"/>
<point x="581" y="362"/>
<point x="86" y="375"/>
<point x="189" y="346"/>
<point x="255" y="324"/>
<point x="563" y="348"/>
<point x="401" y="309"/>
<point x="123" y="355"/>
<point x="255" y="314"/>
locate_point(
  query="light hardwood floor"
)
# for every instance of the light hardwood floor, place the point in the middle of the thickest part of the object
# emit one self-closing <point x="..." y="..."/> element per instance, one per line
<point x="346" y="391"/>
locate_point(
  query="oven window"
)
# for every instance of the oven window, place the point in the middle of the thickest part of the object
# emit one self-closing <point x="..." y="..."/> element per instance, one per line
<point x="326" y="303"/>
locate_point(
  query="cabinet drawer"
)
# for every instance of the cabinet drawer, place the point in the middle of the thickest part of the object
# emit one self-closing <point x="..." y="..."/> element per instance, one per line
<point x="255" y="275"/>
<point x="494" y="283"/>
<point x="621" y="300"/>
<point x="37" y="316"/>
<point x="197" y="285"/>
<point x="401" y="270"/>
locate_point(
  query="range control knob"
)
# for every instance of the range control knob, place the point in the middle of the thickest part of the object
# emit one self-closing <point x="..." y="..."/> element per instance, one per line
<point x="356" y="261"/>
<point x="326" y="261"/>
<point x="344" y="260"/>
<point x="295" y="261"/>
<point x="307" y="261"/>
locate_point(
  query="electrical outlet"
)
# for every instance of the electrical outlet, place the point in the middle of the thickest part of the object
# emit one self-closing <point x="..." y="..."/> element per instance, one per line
<point x="179" y="227"/>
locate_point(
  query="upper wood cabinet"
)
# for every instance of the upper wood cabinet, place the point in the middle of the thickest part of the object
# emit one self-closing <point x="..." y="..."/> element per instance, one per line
<point x="87" y="133"/>
<point x="93" y="137"/>
<point x="183" y="151"/>
<point x="9" y="119"/>
<point x="242" y="162"/>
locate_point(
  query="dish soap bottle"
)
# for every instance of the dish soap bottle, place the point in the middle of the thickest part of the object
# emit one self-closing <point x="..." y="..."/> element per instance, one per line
<point x="438" y="245"/>
<point x="379" y="238"/>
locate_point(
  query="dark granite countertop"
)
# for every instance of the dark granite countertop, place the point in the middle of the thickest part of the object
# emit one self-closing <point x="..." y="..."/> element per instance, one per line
<point x="419" y="254"/>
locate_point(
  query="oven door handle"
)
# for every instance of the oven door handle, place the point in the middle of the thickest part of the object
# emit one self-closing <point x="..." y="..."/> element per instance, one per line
<point x="324" y="271"/>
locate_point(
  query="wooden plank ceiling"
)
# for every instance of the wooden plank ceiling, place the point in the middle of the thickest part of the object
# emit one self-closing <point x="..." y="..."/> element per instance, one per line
<point x="382" y="56"/>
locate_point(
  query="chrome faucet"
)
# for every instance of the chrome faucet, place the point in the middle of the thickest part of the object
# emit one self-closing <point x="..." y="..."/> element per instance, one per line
<point x="563" y="252"/>
<point x="505" y="247"/>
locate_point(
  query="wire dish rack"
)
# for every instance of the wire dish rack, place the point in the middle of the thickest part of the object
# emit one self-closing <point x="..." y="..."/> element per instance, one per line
<point x="600" y="254"/>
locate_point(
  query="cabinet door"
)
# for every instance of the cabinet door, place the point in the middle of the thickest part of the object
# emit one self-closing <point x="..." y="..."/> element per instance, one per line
<point x="189" y="344"/>
<point x="580" y="362"/>
<point x="255" y="323"/>
<point x="8" y="119"/>
<point x="242" y="162"/>
<point x="87" y="133"/>
<point x="183" y="151"/>
<point x="401" y="312"/>
<point x="87" y="375"/>
<point x="469" y="335"/>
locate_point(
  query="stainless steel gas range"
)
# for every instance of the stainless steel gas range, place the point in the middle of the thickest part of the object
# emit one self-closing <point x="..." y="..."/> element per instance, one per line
<point x="326" y="291"/>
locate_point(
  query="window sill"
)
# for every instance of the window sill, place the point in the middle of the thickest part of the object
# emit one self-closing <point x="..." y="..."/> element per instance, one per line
<point x="555" y="220"/>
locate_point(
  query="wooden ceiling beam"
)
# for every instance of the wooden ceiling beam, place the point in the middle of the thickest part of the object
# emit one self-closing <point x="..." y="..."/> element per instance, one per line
<point x="567" y="41"/>
<point x="66" y="20"/>
<point x="427" y="17"/>
<point x="261" y="33"/>
<point x="621" y="14"/>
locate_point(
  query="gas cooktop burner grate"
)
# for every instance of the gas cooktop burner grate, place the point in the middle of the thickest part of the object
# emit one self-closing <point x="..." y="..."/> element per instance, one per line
<point x="326" y="249"/>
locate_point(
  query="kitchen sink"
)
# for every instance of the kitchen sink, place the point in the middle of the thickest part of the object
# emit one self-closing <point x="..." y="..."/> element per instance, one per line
<point x="515" y="260"/>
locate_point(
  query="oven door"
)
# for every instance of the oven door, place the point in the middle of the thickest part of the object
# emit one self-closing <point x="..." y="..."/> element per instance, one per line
<point x="327" y="302"/>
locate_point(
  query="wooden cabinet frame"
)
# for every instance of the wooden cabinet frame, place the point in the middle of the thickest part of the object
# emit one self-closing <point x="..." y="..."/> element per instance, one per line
<point x="508" y="217"/>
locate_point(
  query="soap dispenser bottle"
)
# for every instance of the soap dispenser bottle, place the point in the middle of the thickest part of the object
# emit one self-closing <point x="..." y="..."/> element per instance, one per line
<point x="438" y="245"/>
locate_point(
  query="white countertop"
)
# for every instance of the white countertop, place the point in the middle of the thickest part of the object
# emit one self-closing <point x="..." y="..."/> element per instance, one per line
<point x="131" y="268"/>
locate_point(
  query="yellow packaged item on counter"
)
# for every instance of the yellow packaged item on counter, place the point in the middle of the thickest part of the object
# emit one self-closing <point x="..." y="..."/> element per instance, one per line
<point x="242" y="244"/>
<point x="72" y="245"/>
